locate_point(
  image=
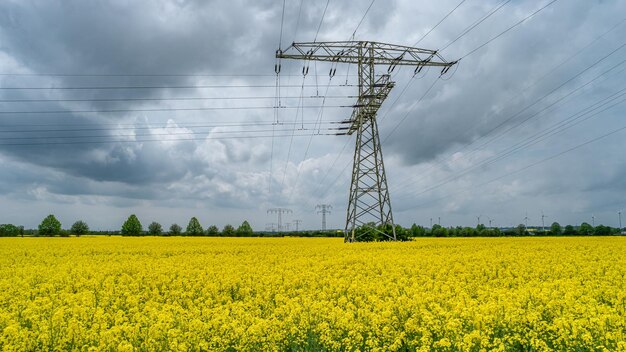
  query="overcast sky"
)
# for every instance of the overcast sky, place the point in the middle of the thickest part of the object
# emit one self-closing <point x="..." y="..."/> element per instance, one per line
<point x="528" y="123"/>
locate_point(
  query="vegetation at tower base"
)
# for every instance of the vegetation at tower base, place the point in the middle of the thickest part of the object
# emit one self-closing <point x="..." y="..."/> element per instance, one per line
<point x="132" y="226"/>
<point x="175" y="230"/>
<point x="49" y="226"/>
<point x="79" y="228"/>
<point x="194" y="228"/>
<point x="155" y="229"/>
<point x="313" y="294"/>
<point x="373" y="233"/>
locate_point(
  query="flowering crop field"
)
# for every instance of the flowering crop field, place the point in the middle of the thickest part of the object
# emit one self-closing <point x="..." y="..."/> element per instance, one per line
<point x="154" y="294"/>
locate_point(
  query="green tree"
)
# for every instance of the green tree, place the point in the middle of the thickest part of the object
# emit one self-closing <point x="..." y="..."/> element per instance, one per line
<point x="175" y="230"/>
<point x="585" y="229"/>
<point x="194" y="228"/>
<point x="245" y="230"/>
<point x="569" y="231"/>
<point x="520" y="230"/>
<point x="9" y="230"/>
<point x="212" y="231"/>
<point x="602" y="230"/>
<point x="79" y="228"/>
<point x="468" y="232"/>
<point x="439" y="231"/>
<point x="555" y="229"/>
<point x="228" y="231"/>
<point x="402" y="234"/>
<point x="50" y="226"/>
<point x="155" y="229"/>
<point x="417" y="231"/>
<point x="132" y="226"/>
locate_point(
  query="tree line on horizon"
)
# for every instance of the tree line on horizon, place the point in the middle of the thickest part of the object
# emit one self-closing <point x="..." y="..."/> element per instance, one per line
<point x="50" y="227"/>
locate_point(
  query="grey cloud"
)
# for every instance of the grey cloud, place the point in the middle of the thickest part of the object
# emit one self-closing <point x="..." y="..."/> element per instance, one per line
<point x="207" y="37"/>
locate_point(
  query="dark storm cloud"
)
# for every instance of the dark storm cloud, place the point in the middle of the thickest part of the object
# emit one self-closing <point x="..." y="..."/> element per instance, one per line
<point x="240" y="37"/>
<point x="120" y="36"/>
<point x="182" y="37"/>
<point x="512" y="65"/>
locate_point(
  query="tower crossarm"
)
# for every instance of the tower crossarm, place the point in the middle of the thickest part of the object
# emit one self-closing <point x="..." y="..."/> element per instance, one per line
<point x="351" y="52"/>
<point x="367" y="105"/>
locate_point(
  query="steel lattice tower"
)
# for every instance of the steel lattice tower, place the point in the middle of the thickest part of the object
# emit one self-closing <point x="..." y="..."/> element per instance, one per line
<point x="369" y="204"/>
<point x="279" y="212"/>
<point x="323" y="209"/>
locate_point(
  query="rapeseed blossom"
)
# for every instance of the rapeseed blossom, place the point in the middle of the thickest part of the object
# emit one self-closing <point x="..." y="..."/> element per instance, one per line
<point x="279" y="294"/>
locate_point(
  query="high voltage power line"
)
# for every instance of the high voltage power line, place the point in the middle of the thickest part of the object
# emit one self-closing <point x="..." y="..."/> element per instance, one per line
<point x="517" y="171"/>
<point x="559" y="127"/>
<point x="171" y="99"/>
<point x="34" y="74"/>
<point x="178" y="125"/>
<point x="154" y="134"/>
<point x="527" y="107"/>
<point x="167" y="87"/>
<point x="392" y="104"/>
<point x="155" y="140"/>
<point x="440" y="22"/>
<point x="167" y="109"/>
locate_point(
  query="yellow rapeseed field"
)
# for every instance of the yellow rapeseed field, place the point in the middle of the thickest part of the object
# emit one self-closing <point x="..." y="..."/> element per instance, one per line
<point x="155" y="294"/>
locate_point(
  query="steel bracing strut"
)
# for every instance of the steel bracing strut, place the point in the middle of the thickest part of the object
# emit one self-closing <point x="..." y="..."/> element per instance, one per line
<point x="369" y="204"/>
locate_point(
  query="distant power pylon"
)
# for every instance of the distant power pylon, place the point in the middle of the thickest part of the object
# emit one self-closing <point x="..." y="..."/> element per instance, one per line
<point x="279" y="212"/>
<point x="368" y="205"/>
<point x="324" y="209"/>
<point x="297" y="222"/>
<point x="270" y="226"/>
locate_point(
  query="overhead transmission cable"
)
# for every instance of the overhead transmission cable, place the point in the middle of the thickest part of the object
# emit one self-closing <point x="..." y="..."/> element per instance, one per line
<point x="332" y="73"/>
<point x="410" y="109"/>
<point x="295" y="32"/>
<point x="277" y="100"/>
<point x="362" y="18"/>
<point x="163" y="87"/>
<point x="150" y="134"/>
<point x="397" y="97"/>
<point x="304" y="72"/>
<point x="559" y="127"/>
<point x="321" y="21"/>
<point x="315" y="124"/>
<point x="45" y="112"/>
<point x="476" y="24"/>
<point x="517" y="171"/>
<point x="306" y="151"/>
<point x="527" y="107"/>
<point x="508" y="29"/>
<point x="18" y="74"/>
<point x="412" y="79"/>
<point x="535" y="82"/>
<point x="438" y="23"/>
<point x="154" y="140"/>
<point x="170" y="99"/>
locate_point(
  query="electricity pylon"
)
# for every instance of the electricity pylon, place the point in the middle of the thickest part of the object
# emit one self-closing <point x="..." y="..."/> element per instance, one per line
<point x="368" y="205"/>
<point x="323" y="209"/>
<point x="279" y="212"/>
<point x="297" y="222"/>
